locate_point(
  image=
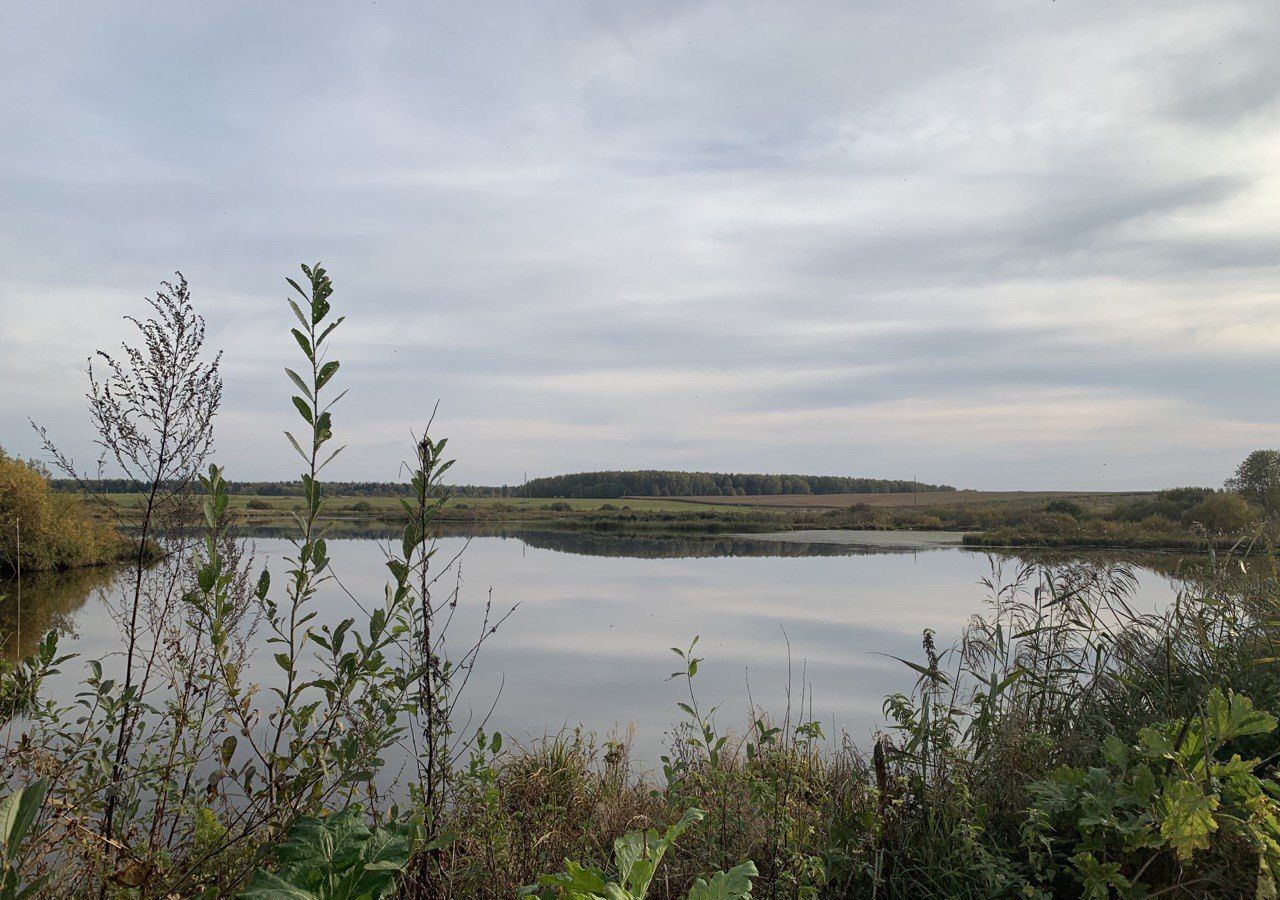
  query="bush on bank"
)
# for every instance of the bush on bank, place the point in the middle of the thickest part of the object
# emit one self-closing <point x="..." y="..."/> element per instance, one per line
<point x="44" y="530"/>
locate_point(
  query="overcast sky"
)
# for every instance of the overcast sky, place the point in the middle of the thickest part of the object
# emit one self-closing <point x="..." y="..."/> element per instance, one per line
<point x="1020" y="244"/>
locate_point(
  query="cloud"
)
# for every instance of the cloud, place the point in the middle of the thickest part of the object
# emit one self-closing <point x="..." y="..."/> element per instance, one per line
<point x="998" y="244"/>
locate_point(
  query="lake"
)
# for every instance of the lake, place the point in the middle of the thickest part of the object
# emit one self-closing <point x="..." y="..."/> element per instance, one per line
<point x="589" y="641"/>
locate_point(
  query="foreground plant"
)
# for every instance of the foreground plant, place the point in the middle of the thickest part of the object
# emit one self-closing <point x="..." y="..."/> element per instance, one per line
<point x="177" y="775"/>
<point x="18" y="813"/>
<point x="1177" y="809"/>
<point x="637" y="855"/>
<point x="337" y="858"/>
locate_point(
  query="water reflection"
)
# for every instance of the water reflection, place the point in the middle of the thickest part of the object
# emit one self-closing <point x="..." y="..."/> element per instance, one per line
<point x="683" y="546"/>
<point x="630" y="545"/>
<point x="43" y="602"/>
<point x="597" y="614"/>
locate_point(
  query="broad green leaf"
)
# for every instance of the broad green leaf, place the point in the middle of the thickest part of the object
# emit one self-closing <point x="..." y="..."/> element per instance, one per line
<point x="266" y="886"/>
<point x="18" y="811"/>
<point x="1188" y="818"/>
<point x="732" y="885"/>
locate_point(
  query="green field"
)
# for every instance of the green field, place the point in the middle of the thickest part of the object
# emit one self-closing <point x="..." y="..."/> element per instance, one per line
<point x="883" y="500"/>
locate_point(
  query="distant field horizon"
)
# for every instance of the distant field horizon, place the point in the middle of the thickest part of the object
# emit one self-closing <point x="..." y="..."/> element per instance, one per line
<point x="902" y="499"/>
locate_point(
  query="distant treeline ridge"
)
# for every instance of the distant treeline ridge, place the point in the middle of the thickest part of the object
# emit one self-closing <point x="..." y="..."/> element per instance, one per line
<point x="646" y="483"/>
<point x="660" y="483"/>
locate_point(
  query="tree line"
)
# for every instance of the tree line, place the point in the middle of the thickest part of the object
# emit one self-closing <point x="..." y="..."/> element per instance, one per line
<point x="596" y="485"/>
<point x="662" y="483"/>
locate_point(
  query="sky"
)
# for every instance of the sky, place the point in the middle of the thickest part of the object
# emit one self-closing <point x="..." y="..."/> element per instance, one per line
<point x="997" y="244"/>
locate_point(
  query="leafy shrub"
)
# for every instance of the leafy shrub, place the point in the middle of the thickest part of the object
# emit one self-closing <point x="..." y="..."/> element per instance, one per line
<point x="1169" y="504"/>
<point x="336" y="857"/>
<point x="20" y="680"/>
<point x="1176" y="809"/>
<point x="1062" y="505"/>
<point x="57" y="530"/>
<point x="1224" y="514"/>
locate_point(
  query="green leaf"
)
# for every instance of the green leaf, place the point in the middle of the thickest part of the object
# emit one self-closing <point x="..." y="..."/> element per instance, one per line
<point x="266" y="886"/>
<point x="304" y="408"/>
<point x="1188" y="818"/>
<point x="297" y="379"/>
<point x="1232" y="716"/>
<point x="303" y="343"/>
<point x="926" y="672"/>
<point x="324" y="334"/>
<point x="297" y="287"/>
<point x="637" y="853"/>
<point x="17" y="813"/>
<point x="732" y="885"/>
<point x="326" y="372"/>
<point x="32" y="888"/>
<point x="338" y="856"/>
<point x="296" y="446"/>
<point x="297" y="310"/>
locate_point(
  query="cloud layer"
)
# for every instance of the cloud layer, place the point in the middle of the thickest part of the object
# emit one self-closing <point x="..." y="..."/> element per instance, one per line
<point x="1000" y="244"/>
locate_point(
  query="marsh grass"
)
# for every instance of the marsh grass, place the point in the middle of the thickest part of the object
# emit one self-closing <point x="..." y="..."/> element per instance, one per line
<point x="1059" y="670"/>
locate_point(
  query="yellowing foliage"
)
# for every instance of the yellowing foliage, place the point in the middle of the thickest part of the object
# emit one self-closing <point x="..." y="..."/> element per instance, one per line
<point x="56" y="530"/>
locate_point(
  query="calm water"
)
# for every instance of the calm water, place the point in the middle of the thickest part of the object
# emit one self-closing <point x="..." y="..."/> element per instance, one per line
<point x="589" y="642"/>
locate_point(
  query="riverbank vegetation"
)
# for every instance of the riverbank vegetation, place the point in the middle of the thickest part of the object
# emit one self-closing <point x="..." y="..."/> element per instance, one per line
<point x="1068" y="744"/>
<point x="42" y="530"/>
<point x="1183" y="519"/>
<point x="1176" y="519"/>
